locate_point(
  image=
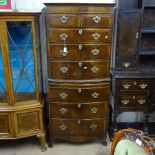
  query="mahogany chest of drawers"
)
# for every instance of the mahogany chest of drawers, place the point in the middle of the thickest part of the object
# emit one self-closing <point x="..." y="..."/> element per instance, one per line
<point x="79" y="39"/>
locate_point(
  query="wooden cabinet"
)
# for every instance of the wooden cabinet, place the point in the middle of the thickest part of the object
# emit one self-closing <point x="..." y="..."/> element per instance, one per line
<point x="79" y="39"/>
<point x="128" y="34"/>
<point x="133" y="73"/>
<point x="21" y="101"/>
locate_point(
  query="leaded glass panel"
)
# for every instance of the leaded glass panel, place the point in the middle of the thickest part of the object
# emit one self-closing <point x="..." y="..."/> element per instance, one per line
<point x="22" y="60"/>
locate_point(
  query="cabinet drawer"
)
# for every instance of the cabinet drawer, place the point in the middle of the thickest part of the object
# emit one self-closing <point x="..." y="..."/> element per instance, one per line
<point x="79" y="70"/>
<point x="79" y="52"/>
<point x="133" y="100"/>
<point x="78" y="93"/>
<point x="79" y="110"/>
<point x="126" y="65"/>
<point x="62" y="9"/>
<point x="97" y="20"/>
<point x="79" y="36"/>
<point x="63" y="20"/>
<point x="69" y="8"/>
<point x="79" y="127"/>
<point x="134" y="84"/>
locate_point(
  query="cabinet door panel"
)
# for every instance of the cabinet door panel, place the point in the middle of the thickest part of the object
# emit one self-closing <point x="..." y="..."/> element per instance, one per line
<point x="5" y="125"/>
<point x="3" y="93"/>
<point x="129" y="23"/>
<point x="20" y="42"/>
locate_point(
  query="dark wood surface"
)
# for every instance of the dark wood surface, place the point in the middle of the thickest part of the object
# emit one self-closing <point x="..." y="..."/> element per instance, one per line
<point x="133" y="73"/>
<point x="78" y="106"/>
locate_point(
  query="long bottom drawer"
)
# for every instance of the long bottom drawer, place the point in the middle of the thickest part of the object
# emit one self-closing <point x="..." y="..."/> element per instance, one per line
<point x="79" y="127"/>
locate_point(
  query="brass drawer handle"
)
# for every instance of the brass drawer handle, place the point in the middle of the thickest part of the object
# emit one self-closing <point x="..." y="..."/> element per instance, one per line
<point x="126" y="64"/>
<point x="125" y="102"/>
<point x="96" y="19"/>
<point x="80" y="47"/>
<point x="80" y="64"/>
<point x="64" y="52"/>
<point x="64" y="36"/>
<point x="78" y="122"/>
<point x="96" y="36"/>
<point x="141" y="101"/>
<point x="63" y="127"/>
<point x="63" y="96"/>
<point x="137" y="35"/>
<point x="94" y="110"/>
<point x="79" y="105"/>
<point x="63" y="19"/>
<point x="93" y="126"/>
<point x="94" y="69"/>
<point x="95" y="52"/>
<point x="143" y="86"/>
<point x="95" y="95"/>
<point x="80" y="31"/>
<point x="126" y="86"/>
<point x="63" y="110"/>
<point x="106" y="37"/>
<point x="79" y="90"/>
<point x="64" y="70"/>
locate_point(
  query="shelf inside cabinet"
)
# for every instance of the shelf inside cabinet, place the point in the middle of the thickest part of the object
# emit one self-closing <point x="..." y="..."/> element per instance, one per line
<point x="148" y="30"/>
<point x="148" y="20"/>
<point x="130" y="4"/>
<point x="147" y="61"/>
<point x="147" y="52"/>
<point x="149" y="3"/>
<point x="147" y="42"/>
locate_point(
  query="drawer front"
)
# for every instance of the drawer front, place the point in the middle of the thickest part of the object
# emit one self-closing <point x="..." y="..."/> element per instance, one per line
<point x="85" y="93"/>
<point x="63" y="20"/>
<point x="97" y="20"/>
<point x="79" y="110"/>
<point x="6" y="125"/>
<point x="79" y="52"/>
<point x="79" y="70"/>
<point x="133" y="100"/>
<point x="79" y="127"/>
<point x="126" y="65"/>
<point x="79" y="9"/>
<point x="79" y="36"/>
<point x="134" y="84"/>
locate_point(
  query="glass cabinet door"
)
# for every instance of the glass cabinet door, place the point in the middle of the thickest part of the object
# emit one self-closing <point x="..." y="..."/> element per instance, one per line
<point x="3" y="94"/>
<point x="21" y="50"/>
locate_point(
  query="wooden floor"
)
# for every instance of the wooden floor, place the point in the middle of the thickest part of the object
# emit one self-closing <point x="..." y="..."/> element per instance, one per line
<point x="30" y="146"/>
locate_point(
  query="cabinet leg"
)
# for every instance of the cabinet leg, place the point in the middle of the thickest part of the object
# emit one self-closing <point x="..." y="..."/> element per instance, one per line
<point x="51" y="141"/>
<point x="146" y="124"/>
<point x="104" y="142"/>
<point x="42" y="142"/>
<point x="115" y="123"/>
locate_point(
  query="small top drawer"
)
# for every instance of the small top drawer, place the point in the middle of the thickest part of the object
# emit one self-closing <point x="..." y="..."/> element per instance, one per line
<point x="97" y="20"/>
<point x="83" y="8"/>
<point x="62" y="20"/>
<point x="134" y="84"/>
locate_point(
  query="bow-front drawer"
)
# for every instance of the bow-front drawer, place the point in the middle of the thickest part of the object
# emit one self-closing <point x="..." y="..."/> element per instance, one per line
<point x="79" y="126"/>
<point x="80" y="70"/>
<point x="134" y="84"/>
<point x="79" y="36"/>
<point x="131" y="100"/>
<point x="78" y="93"/>
<point x="79" y="110"/>
<point x="63" y="20"/>
<point x="97" y="20"/>
<point x="79" y="52"/>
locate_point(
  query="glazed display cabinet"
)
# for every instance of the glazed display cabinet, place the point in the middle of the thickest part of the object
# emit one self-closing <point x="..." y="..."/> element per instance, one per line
<point x="21" y="102"/>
